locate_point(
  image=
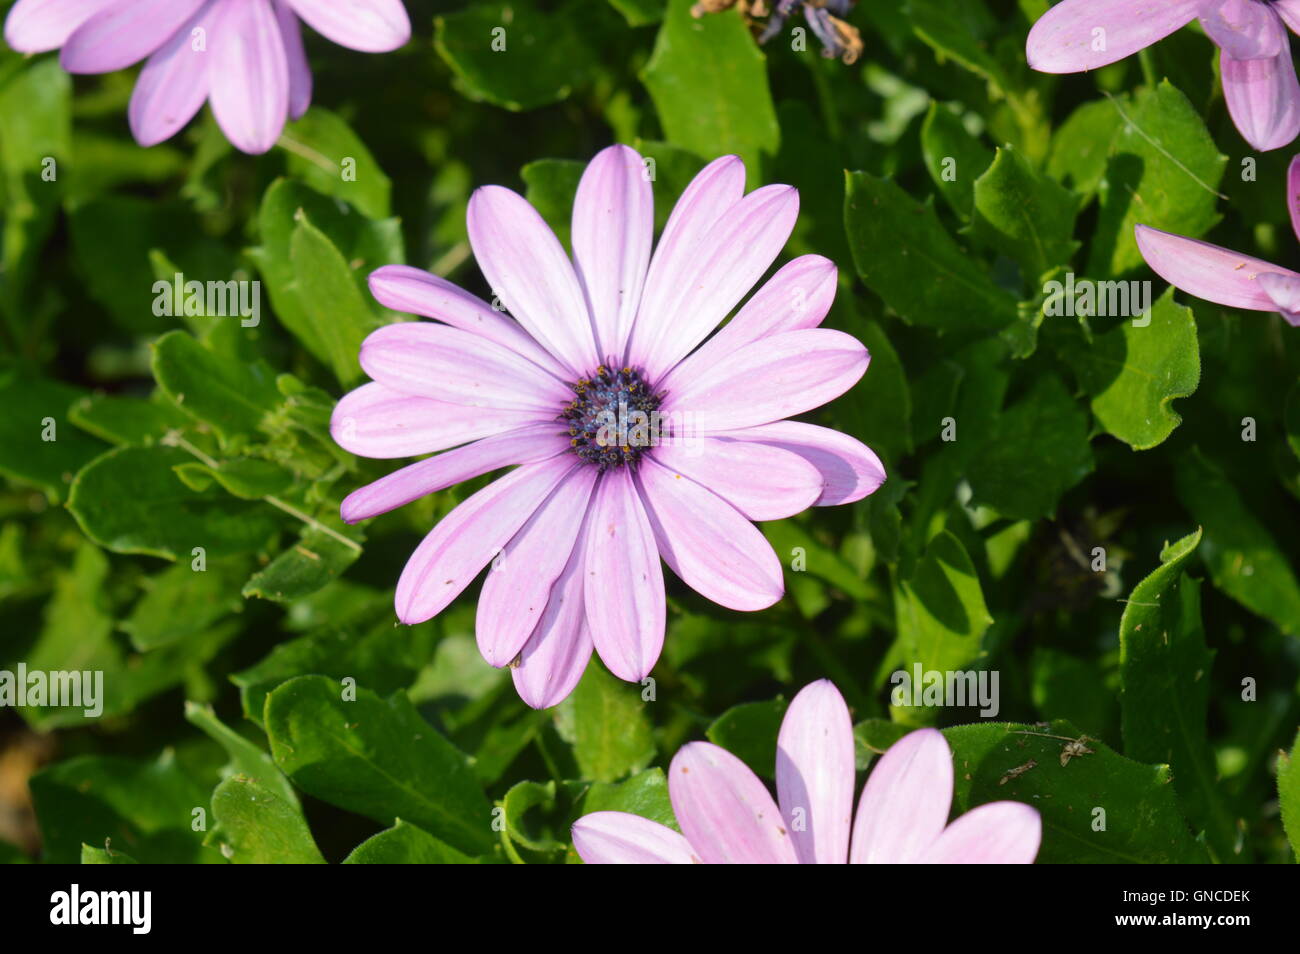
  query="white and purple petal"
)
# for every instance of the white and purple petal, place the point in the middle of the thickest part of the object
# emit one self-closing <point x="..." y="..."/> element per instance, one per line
<point x="707" y="542"/>
<point x="905" y="804"/>
<point x="620" y="838"/>
<point x="815" y="770"/>
<point x="463" y="542"/>
<point x="725" y="812"/>
<point x="1078" y="35"/>
<point x="624" y="583"/>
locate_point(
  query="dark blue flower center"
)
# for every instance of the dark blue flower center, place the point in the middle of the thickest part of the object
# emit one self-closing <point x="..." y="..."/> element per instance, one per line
<point x="614" y="418"/>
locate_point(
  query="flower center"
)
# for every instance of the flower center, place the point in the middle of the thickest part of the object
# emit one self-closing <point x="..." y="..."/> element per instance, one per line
<point x="614" y="419"/>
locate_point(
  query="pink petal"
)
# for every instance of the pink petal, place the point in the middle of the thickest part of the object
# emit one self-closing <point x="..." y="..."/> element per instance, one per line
<point x="371" y="26"/>
<point x="1245" y="29"/>
<point x="124" y="33"/>
<point x="849" y="469"/>
<point x="35" y="26"/>
<point x="525" y="445"/>
<point x="557" y="652"/>
<point x="447" y="364"/>
<point x="1065" y="38"/>
<point x="1289" y="11"/>
<point x="815" y="770"/>
<point x="527" y="268"/>
<point x="726" y="814"/>
<point x="624" y="587"/>
<point x="418" y="292"/>
<point x="1293" y="192"/>
<point x="762" y="482"/>
<point x="249" y="74"/>
<point x="797" y="296"/>
<point x="518" y="586"/>
<point x="905" y="805"/>
<point x="715" y="550"/>
<point x="1207" y="271"/>
<point x="1263" y="98"/>
<point x="999" y="833"/>
<point x="715" y="190"/>
<point x="619" y="838"/>
<point x="467" y="538"/>
<point x="1284" y="292"/>
<point x="375" y="421"/>
<point x="299" y="71"/>
<point x="731" y="257"/>
<point x="173" y="84"/>
<point x="613" y="226"/>
<point x="770" y="379"/>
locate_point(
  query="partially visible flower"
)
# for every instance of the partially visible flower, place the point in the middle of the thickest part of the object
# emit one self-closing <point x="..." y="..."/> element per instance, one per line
<point x="1226" y="277"/>
<point x="632" y="436"/>
<point x="727" y="815"/>
<point x="1259" y="78"/>
<point x="839" y="38"/>
<point x="244" y="56"/>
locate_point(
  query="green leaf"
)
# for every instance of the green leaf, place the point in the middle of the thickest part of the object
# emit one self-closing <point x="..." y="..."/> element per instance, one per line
<point x="363" y="244"/>
<point x="606" y="722"/>
<point x="379" y="654"/>
<point x="180" y="602"/>
<point x="314" y="561"/>
<point x="247" y="759"/>
<point x="337" y="316"/>
<point x="378" y="758"/>
<point x="1133" y="372"/>
<point x="331" y="158"/>
<point x="1141" y="823"/>
<point x="1244" y="558"/>
<point x="905" y="255"/>
<point x="247" y="478"/>
<point x="1288" y="793"/>
<point x="405" y="844"/>
<point x="1081" y="146"/>
<point x="259" y="828"/>
<point x="131" y="501"/>
<point x="1163" y="171"/>
<point x="146" y="807"/>
<point x="640" y="12"/>
<point x="1025" y="215"/>
<point x="35" y="134"/>
<point x="941" y="613"/>
<point x="512" y="54"/>
<point x="749" y="731"/>
<point x="954" y="157"/>
<point x="38" y="444"/>
<point x="233" y="398"/>
<point x="126" y="420"/>
<point x="1165" y="671"/>
<point x="709" y="84"/>
<point x="105" y="856"/>
<point x="1038" y="450"/>
<point x="76" y="636"/>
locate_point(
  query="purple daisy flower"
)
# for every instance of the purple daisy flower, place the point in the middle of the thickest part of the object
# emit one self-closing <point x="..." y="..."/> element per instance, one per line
<point x="1226" y="277"/>
<point x="727" y="815"/>
<point x="1259" y="78"/>
<point x="246" y="56"/>
<point x="634" y="438"/>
